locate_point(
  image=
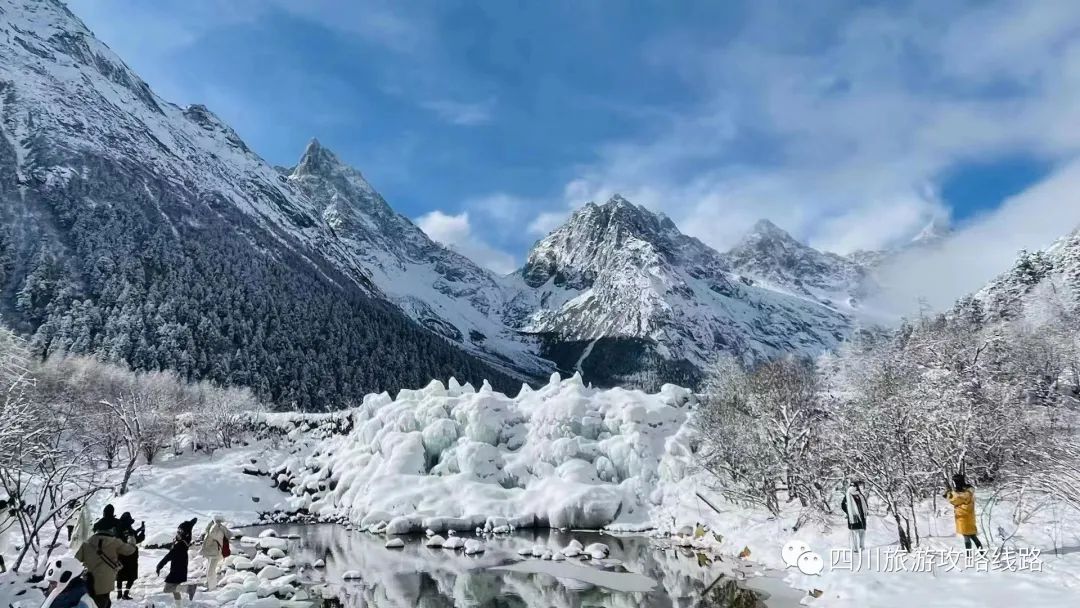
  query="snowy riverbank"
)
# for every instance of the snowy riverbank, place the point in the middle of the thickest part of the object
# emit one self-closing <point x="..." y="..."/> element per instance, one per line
<point x="563" y="456"/>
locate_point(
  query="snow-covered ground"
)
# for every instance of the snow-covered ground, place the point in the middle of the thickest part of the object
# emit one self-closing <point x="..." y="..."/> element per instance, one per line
<point x="566" y="455"/>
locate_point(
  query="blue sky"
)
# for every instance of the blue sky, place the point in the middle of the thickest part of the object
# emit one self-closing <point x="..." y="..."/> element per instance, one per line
<point x="851" y="124"/>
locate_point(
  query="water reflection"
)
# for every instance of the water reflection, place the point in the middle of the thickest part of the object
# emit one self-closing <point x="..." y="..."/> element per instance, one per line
<point x="437" y="578"/>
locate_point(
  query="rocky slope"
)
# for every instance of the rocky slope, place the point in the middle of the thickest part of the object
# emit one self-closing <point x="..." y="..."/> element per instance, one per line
<point x="440" y="288"/>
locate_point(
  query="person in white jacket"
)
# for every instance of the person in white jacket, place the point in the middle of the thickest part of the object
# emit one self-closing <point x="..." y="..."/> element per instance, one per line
<point x="213" y="545"/>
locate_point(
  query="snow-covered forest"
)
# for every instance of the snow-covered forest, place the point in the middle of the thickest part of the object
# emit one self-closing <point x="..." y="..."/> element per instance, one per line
<point x="905" y="412"/>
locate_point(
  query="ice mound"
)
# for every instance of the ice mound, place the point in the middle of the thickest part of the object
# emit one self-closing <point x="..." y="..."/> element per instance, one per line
<point x="454" y="458"/>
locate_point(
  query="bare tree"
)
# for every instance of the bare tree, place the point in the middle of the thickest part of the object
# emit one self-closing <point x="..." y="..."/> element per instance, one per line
<point x="142" y="422"/>
<point x="758" y="428"/>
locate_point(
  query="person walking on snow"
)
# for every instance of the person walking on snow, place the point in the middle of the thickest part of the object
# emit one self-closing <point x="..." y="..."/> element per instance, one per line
<point x="214" y="543"/>
<point x="177" y="558"/>
<point x="962" y="497"/>
<point x="67" y="589"/>
<point x="854" y="506"/>
<point x="100" y="555"/>
<point x="129" y="564"/>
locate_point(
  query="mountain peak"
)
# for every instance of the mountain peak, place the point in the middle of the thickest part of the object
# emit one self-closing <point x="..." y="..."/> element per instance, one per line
<point x="934" y="232"/>
<point x="617" y="200"/>
<point x="766" y="232"/>
<point x="318" y="160"/>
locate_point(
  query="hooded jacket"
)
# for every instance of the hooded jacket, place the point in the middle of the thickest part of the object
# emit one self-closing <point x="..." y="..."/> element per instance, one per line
<point x="100" y="554"/>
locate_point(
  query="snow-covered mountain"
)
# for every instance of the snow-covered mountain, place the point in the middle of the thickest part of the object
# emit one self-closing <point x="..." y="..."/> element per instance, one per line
<point x="152" y="234"/>
<point x="773" y="258"/>
<point x="931" y="236"/>
<point x="619" y="270"/>
<point x="440" y="288"/>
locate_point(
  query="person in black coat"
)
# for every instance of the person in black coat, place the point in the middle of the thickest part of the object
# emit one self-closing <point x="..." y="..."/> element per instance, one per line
<point x="108" y="524"/>
<point x="854" y="506"/>
<point x="129" y="564"/>
<point x="177" y="558"/>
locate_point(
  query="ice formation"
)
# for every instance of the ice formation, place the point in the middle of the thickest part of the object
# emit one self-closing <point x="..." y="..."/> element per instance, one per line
<point x="456" y="458"/>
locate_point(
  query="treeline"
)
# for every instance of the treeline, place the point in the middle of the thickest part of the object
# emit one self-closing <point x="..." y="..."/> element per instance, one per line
<point x="120" y="264"/>
<point x="968" y="392"/>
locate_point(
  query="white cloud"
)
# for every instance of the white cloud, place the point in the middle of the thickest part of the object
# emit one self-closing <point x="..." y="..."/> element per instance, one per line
<point x="500" y="206"/>
<point x="462" y="113"/>
<point x="859" y="122"/>
<point x="456" y="232"/>
<point x="986" y="247"/>
<point x="546" y="222"/>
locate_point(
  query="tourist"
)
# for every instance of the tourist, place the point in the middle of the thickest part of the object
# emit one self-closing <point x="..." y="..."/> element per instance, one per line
<point x="177" y="558"/>
<point x="67" y="588"/>
<point x="215" y="548"/>
<point x="962" y="497"/>
<point x="100" y="555"/>
<point x="129" y="564"/>
<point x="108" y="522"/>
<point x="854" y="506"/>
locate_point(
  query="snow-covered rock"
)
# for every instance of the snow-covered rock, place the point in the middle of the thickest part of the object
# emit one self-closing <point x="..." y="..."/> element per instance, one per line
<point x="270" y="573"/>
<point x="473" y="546"/>
<point x="272" y="542"/>
<point x="242" y="563"/>
<point x="454" y="542"/>
<point x="319" y="563"/>
<point x="573" y="549"/>
<point x="228" y="595"/>
<point x="275" y="553"/>
<point x="352" y="575"/>
<point x="597" y="550"/>
<point x="269" y="532"/>
<point x="262" y="602"/>
<point x="395" y="543"/>
<point x="435" y="541"/>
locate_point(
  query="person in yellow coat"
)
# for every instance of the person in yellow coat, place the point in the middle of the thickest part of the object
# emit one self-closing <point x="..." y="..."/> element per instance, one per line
<point x="962" y="497"/>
